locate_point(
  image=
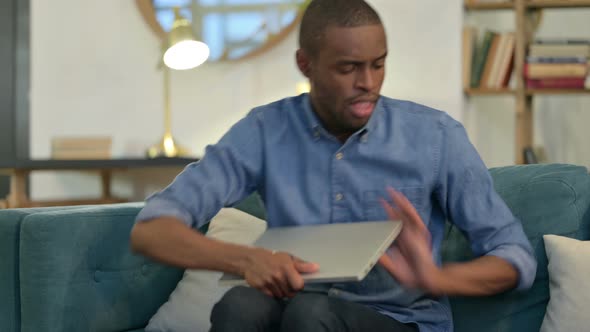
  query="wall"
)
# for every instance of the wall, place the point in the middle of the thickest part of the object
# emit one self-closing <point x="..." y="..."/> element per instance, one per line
<point x="560" y="122"/>
<point x="94" y="72"/>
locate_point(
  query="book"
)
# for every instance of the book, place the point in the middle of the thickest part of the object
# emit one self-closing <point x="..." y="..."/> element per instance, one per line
<point x="469" y="39"/>
<point x="555" y="83"/>
<point x="548" y="70"/>
<point x="491" y="62"/>
<point x="81" y="154"/>
<point x="81" y="142"/>
<point x="481" y="57"/>
<point x="507" y="63"/>
<point x="556" y="50"/>
<point x="533" y="59"/>
<point x="494" y="79"/>
<point x="98" y="147"/>
<point x="562" y="41"/>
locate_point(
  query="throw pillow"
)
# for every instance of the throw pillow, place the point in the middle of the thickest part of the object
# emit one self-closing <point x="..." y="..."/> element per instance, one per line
<point x="569" y="268"/>
<point x="190" y="304"/>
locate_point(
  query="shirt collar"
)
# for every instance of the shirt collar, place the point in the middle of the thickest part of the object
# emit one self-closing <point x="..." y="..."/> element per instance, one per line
<point x="315" y="126"/>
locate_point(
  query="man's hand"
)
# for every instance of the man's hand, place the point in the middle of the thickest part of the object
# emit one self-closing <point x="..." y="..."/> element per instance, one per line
<point x="276" y="274"/>
<point x="409" y="259"/>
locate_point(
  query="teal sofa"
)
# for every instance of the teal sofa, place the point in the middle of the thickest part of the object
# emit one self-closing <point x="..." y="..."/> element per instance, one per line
<point x="70" y="268"/>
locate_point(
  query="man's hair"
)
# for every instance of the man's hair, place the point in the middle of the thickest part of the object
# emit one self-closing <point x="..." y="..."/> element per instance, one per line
<point x="321" y="14"/>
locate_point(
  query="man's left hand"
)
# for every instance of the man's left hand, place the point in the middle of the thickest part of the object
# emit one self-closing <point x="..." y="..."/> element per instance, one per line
<point x="409" y="259"/>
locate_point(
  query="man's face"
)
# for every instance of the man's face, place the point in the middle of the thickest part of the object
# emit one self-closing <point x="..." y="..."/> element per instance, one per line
<point x="346" y="77"/>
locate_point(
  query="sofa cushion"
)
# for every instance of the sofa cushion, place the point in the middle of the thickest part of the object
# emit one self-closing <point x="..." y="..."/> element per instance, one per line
<point x="190" y="304"/>
<point x="78" y="274"/>
<point x="548" y="199"/>
<point x="569" y="268"/>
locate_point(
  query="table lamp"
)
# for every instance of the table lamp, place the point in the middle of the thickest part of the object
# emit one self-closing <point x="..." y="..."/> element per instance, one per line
<point x="182" y="51"/>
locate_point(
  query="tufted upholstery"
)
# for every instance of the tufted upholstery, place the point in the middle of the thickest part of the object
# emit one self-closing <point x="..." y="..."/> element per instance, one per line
<point x="548" y="199"/>
<point x="77" y="274"/>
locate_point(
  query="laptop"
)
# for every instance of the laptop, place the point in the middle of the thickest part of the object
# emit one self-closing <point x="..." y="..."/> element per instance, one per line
<point x="344" y="251"/>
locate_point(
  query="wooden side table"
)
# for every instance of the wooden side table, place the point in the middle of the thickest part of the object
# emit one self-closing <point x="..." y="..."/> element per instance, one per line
<point x="19" y="172"/>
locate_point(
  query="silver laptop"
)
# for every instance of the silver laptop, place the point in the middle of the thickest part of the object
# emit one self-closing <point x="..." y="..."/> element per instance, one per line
<point x="345" y="252"/>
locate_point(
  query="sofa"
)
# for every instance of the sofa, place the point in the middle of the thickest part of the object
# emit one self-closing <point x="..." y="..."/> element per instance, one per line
<point x="70" y="268"/>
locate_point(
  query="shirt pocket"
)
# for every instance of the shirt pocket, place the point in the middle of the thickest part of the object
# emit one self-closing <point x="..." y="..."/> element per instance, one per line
<point x="373" y="210"/>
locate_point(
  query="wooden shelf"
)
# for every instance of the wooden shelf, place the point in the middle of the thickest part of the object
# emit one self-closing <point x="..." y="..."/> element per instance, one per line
<point x="532" y="92"/>
<point x="489" y="6"/>
<point x="533" y="4"/>
<point x="492" y="92"/>
<point x="558" y="3"/>
<point x="523" y="97"/>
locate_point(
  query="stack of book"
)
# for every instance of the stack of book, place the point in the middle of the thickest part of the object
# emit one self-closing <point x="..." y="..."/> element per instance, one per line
<point x="81" y="148"/>
<point x="489" y="63"/>
<point x="558" y="64"/>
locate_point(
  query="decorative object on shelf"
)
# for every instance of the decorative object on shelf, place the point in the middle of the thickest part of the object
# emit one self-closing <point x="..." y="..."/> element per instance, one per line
<point x="81" y="147"/>
<point x="234" y="30"/>
<point x="182" y="52"/>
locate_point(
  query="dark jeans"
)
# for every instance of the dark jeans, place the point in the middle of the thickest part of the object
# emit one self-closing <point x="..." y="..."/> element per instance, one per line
<point x="247" y="309"/>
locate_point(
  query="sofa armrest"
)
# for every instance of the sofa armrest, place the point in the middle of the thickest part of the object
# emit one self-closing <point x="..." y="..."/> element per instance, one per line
<point x="77" y="272"/>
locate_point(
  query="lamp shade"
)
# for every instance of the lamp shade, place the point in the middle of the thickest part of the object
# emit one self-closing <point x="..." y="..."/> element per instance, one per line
<point x="184" y="51"/>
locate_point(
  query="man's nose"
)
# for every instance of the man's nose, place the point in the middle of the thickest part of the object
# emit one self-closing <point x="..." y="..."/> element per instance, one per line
<point x="365" y="79"/>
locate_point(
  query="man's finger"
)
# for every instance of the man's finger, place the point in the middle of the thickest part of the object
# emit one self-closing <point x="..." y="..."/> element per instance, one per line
<point x="392" y="212"/>
<point x="395" y="263"/>
<point x="295" y="280"/>
<point x="305" y="267"/>
<point x="282" y="283"/>
<point x="406" y="207"/>
<point x="275" y="289"/>
<point x="386" y="262"/>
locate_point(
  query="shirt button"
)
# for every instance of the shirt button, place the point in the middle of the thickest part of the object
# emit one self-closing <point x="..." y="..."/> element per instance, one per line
<point x="339" y="155"/>
<point x="316" y="134"/>
<point x="339" y="197"/>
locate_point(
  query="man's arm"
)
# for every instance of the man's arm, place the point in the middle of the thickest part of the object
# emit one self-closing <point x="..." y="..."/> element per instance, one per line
<point x="228" y="172"/>
<point x="486" y="275"/>
<point x="169" y="240"/>
<point x="410" y="261"/>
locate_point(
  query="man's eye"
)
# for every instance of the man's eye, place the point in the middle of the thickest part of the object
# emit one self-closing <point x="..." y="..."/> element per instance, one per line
<point x="378" y="65"/>
<point x="347" y="69"/>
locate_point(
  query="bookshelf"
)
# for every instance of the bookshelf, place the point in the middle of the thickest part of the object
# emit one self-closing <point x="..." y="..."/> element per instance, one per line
<point x="523" y="111"/>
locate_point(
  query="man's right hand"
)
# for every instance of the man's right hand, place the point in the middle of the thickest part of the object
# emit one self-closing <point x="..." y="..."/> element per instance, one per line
<point x="276" y="274"/>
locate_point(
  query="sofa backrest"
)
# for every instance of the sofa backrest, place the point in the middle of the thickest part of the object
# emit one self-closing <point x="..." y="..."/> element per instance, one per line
<point x="78" y="274"/>
<point x="10" y="226"/>
<point x="548" y="199"/>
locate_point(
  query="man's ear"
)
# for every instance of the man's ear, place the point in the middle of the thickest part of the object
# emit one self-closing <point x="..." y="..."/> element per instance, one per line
<point x="303" y="62"/>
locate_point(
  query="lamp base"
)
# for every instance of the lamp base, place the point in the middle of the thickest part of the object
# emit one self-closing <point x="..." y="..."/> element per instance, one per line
<point x="167" y="148"/>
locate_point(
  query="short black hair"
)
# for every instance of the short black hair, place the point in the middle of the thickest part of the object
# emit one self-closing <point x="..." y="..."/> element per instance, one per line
<point x="321" y="14"/>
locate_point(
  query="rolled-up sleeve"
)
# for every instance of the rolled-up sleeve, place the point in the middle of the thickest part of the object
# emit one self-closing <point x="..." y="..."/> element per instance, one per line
<point x="228" y="172"/>
<point x="470" y="201"/>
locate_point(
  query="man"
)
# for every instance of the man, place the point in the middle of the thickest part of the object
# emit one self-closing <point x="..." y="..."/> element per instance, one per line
<point x="334" y="156"/>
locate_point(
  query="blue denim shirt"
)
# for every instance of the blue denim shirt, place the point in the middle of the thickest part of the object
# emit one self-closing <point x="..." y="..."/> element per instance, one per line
<point x="306" y="176"/>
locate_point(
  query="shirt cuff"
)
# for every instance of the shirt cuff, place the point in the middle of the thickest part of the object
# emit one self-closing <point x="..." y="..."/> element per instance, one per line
<point x="522" y="260"/>
<point x="158" y="207"/>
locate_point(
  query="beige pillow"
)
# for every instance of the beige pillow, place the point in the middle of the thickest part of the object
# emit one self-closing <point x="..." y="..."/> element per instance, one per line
<point x="569" y="272"/>
<point x="190" y="304"/>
